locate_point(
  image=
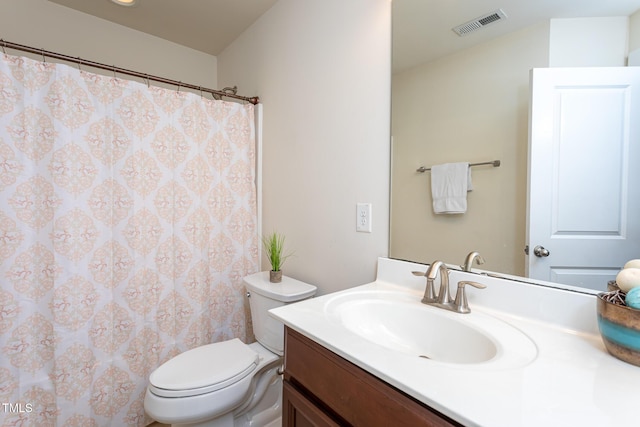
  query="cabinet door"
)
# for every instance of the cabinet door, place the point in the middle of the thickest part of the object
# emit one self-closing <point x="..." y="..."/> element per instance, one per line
<point x="298" y="411"/>
<point x="350" y="394"/>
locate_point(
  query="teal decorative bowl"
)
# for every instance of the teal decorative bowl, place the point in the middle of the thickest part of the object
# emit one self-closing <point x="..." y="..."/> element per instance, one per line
<point x="619" y="327"/>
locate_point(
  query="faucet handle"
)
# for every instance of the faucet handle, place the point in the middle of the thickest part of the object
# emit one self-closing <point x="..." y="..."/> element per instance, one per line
<point x="460" y="304"/>
<point x="429" y="291"/>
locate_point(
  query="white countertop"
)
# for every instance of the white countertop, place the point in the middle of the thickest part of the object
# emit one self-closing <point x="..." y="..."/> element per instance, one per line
<point x="572" y="381"/>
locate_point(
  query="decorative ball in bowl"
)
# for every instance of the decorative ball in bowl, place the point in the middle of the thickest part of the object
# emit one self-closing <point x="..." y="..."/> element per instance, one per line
<point x="619" y="326"/>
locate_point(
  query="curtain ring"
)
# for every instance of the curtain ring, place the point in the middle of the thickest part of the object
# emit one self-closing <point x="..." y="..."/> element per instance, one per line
<point x="179" y="86"/>
<point x="78" y="62"/>
<point x="146" y="77"/>
<point x="114" y="72"/>
<point x="4" y="44"/>
<point x="200" y="87"/>
<point x="44" y="60"/>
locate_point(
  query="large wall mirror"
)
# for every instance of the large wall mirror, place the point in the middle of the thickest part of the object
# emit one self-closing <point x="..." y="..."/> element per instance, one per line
<point x="466" y="99"/>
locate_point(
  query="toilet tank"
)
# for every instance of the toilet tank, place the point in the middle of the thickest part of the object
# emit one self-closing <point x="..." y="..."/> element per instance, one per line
<point x="263" y="296"/>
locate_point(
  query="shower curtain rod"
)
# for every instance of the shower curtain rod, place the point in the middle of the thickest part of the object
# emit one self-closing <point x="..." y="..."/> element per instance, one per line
<point x="45" y="53"/>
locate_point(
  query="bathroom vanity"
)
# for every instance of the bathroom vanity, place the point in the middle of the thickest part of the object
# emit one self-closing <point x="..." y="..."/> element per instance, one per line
<point x="323" y="389"/>
<point x="525" y="356"/>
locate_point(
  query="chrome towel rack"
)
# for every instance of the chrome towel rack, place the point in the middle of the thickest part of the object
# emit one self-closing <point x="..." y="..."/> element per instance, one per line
<point x="495" y="163"/>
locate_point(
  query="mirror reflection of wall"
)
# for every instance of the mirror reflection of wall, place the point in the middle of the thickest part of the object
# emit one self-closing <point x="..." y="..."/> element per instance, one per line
<point x="473" y="106"/>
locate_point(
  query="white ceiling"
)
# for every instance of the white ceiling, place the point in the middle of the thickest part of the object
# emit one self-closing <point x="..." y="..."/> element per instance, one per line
<point x="421" y="28"/>
<point x="205" y="25"/>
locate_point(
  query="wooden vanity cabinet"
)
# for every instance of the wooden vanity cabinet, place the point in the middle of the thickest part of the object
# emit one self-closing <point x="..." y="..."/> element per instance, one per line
<point x="322" y="389"/>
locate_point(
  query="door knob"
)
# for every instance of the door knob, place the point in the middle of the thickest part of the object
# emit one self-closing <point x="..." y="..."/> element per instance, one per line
<point x="540" y="251"/>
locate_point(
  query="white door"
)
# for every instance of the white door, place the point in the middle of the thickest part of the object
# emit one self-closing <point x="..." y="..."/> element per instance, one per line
<point x="584" y="174"/>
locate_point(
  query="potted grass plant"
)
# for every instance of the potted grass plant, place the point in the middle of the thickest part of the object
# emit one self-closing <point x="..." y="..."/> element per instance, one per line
<point x="274" y="250"/>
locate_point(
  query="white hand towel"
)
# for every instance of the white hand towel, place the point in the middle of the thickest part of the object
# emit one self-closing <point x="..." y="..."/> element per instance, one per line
<point x="450" y="183"/>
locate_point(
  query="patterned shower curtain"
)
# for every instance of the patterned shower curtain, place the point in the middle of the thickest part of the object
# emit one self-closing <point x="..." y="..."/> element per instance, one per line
<point x="127" y="222"/>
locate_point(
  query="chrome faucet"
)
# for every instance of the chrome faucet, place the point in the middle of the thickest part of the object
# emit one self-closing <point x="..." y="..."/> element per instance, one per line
<point x="468" y="262"/>
<point x="443" y="298"/>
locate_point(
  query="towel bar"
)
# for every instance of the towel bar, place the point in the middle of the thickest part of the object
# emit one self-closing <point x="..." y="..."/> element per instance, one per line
<point x="495" y="164"/>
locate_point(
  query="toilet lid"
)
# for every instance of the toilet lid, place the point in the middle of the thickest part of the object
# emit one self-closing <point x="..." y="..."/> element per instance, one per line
<point x="204" y="369"/>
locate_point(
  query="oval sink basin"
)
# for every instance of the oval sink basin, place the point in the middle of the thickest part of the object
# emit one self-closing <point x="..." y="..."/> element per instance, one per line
<point x="413" y="330"/>
<point x="400" y="323"/>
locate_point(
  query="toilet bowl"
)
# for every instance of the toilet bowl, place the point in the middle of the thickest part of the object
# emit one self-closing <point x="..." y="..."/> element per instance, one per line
<point x="229" y="383"/>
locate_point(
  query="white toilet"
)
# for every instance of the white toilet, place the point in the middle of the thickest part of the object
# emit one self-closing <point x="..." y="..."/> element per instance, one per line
<point x="230" y="384"/>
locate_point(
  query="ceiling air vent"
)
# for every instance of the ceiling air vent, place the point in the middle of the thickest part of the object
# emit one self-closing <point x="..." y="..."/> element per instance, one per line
<point x="480" y="22"/>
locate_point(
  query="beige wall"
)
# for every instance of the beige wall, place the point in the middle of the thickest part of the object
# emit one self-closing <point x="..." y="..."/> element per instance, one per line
<point x="589" y="42"/>
<point x="471" y="106"/>
<point x="49" y="26"/>
<point x="634" y="32"/>
<point x="322" y="70"/>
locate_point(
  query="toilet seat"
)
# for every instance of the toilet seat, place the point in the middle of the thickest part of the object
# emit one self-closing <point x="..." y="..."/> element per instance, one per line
<point x="204" y="369"/>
